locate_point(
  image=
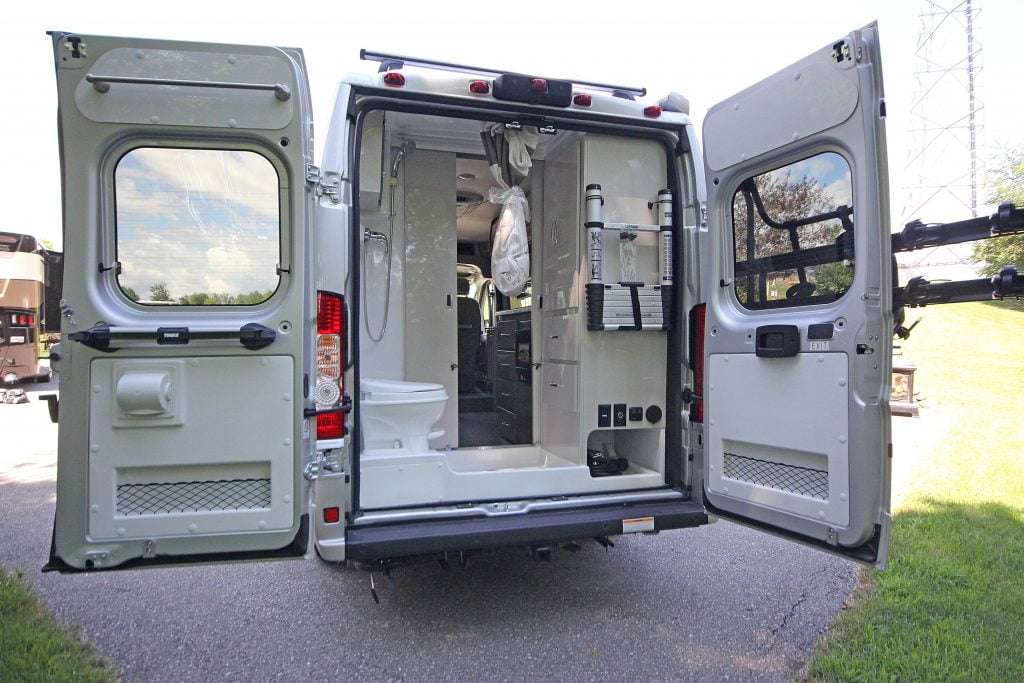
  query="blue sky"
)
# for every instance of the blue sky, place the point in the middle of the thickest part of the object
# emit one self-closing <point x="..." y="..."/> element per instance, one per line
<point x="197" y="220"/>
<point x="706" y="51"/>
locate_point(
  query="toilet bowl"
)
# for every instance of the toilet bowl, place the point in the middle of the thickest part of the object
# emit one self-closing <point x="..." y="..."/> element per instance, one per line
<point x="400" y="414"/>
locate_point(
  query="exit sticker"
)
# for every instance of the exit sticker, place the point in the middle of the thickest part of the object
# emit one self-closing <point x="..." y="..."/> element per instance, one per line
<point x="633" y="526"/>
<point x="818" y="345"/>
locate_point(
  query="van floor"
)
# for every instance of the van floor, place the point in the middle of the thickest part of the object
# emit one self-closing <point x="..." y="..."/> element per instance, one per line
<point x="478" y="428"/>
<point x="396" y="478"/>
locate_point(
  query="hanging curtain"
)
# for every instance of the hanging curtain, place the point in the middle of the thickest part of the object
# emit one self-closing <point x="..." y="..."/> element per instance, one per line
<point x="509" y="157"/>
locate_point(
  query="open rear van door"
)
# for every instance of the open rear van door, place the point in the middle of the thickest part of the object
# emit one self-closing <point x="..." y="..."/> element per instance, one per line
<point x="798" y="326"/>
<point x="187" y="303"/>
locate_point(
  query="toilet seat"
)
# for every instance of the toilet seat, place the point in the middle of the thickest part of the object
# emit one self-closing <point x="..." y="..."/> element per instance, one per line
<point x="400" y="415"/>
<point x="392" y="391"/>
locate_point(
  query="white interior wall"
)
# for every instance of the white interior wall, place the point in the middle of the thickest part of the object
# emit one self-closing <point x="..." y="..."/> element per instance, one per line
<point x="431" y="348"/>
<point x="558" y="405"/>
<point x="384" y="359"/>
<point x="536" y="226"/>
<point x="625" y="367"/>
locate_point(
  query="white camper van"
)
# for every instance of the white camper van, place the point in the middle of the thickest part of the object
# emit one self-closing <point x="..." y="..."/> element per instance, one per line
<point x="502" y="310"/>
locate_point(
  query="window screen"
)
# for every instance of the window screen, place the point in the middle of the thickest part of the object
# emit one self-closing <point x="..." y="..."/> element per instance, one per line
<point x="793" y="230"/>
<point x="197" y="227"/>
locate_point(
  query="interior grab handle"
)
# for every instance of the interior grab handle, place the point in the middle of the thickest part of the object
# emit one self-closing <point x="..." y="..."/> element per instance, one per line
<point x="102" y="84"/>
<point x="252" y="336"/>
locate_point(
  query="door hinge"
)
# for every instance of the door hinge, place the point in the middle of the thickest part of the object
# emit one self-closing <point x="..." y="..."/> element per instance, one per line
<point x="311" y="471"/>
<point x="323" y="185"/>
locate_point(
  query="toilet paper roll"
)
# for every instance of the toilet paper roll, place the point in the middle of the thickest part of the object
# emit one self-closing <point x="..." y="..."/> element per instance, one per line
<point x="144" y="393"/>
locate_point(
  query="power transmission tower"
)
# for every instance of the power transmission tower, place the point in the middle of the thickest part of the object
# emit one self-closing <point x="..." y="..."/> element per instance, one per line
<point x="942" y="169"/>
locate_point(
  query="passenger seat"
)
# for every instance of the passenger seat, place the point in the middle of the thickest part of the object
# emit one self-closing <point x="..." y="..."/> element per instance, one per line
<point x="468" y="338"/>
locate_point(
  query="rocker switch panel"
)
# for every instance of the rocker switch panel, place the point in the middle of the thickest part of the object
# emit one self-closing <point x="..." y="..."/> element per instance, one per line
<point x="620" y="414"/>
<point x="604" y="415"/>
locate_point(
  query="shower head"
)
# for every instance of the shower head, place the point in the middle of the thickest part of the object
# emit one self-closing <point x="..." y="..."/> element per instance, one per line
<point x="407" y="148"/>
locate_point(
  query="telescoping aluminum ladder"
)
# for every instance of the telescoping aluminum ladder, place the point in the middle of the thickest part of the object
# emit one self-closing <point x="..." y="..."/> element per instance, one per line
<point x="627" y="306"/>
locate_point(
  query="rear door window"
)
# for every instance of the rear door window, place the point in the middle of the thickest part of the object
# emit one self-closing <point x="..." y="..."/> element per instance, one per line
<point x="793" y="230"/>
<point x="197" y="227"/>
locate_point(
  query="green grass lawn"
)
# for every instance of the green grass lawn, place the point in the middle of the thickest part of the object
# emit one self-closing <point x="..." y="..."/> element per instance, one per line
<point x="33" y="647"/>
<point x="951" y="604"/>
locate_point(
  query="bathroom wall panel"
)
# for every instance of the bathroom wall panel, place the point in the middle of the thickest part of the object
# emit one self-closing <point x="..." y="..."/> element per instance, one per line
<point x="431" y="348"/>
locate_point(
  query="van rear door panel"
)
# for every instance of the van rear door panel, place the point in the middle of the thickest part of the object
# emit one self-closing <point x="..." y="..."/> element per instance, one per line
<point x="184" y="365"/>
<point x="797" y="335"/>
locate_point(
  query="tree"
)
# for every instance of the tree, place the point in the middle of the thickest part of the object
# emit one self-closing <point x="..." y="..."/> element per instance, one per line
<point x="1005" y="183"/>
<point x="130" y="293"/>
<point x="788" y="197"/>
<point x="158" y="292"/>
<point x="834" y="278"/>
<point x="223" y="298"/>
<point x="253" y="297"/>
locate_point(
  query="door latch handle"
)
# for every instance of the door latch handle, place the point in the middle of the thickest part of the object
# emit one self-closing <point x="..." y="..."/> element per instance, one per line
<point x="689" y="397"/>
<point x="777" y="341"/>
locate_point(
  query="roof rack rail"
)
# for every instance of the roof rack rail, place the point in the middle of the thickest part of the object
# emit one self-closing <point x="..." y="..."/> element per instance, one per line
<point x="389" y="61"/>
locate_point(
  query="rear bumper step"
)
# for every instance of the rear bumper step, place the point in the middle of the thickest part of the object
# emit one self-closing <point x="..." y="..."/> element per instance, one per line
<point x="371" y="543"/>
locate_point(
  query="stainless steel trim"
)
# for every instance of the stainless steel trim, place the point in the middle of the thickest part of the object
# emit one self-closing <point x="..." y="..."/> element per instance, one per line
<point x="514" y="507"/>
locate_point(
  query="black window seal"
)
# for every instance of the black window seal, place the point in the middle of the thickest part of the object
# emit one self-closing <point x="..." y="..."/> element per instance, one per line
<point x="211" y="144"/>
<point x="796" y="259"/>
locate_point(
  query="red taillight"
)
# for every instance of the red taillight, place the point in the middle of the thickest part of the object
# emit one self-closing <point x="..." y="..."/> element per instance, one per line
<point x="652" y="112"/>
<point x="23" y="320"/>
<point x="539" y="85"/>
<point x="332" y="515"/>
<point x="329" y="313"/>
<point x="394" y="79"/>
<point x="479" y="87"/>
<point x="330" y="365"/>
<point x="330" y="425"/>
<point x="31" y="320"/>
<point x="698" y="315"/>
<point x="582" y="100"/>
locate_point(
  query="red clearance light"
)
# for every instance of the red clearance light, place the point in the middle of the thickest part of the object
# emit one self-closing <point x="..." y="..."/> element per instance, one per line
<point x="479" y="87"/>
<point x="329" y="313"/>
<point x="582" y="100"/>
<point x="539" y="85"/>
<point x="652" y="112"/>
<point x="332" y="515"/>
<point x="330" y="425"/>
<point x="394" y="79"/>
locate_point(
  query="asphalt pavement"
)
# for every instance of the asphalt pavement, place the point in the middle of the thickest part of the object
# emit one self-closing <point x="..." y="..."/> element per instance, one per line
<point x="719" y="602"/>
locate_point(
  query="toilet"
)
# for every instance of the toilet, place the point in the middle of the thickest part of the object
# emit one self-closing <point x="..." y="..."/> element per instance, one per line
<point x="397" y="415"/>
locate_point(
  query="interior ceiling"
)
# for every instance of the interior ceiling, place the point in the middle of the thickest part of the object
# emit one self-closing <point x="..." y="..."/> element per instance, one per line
<point x="473" y="219"/>
<point x="461" y="136"/>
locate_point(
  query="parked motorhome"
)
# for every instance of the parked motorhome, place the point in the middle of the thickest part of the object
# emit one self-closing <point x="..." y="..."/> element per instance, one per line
<point x="502" y="310"/>
<point x="23" y="278"/>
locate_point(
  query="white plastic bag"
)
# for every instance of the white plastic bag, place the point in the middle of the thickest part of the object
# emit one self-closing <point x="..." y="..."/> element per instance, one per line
<point x="510" y="255"/>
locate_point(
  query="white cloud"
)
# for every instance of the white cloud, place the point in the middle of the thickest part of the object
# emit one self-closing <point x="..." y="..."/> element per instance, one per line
<point x="198" y="220"/>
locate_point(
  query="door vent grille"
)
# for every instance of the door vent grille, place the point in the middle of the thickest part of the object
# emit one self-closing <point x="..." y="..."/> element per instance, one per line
<point x="193" y="496"/>
<point x="802" y="480"/>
